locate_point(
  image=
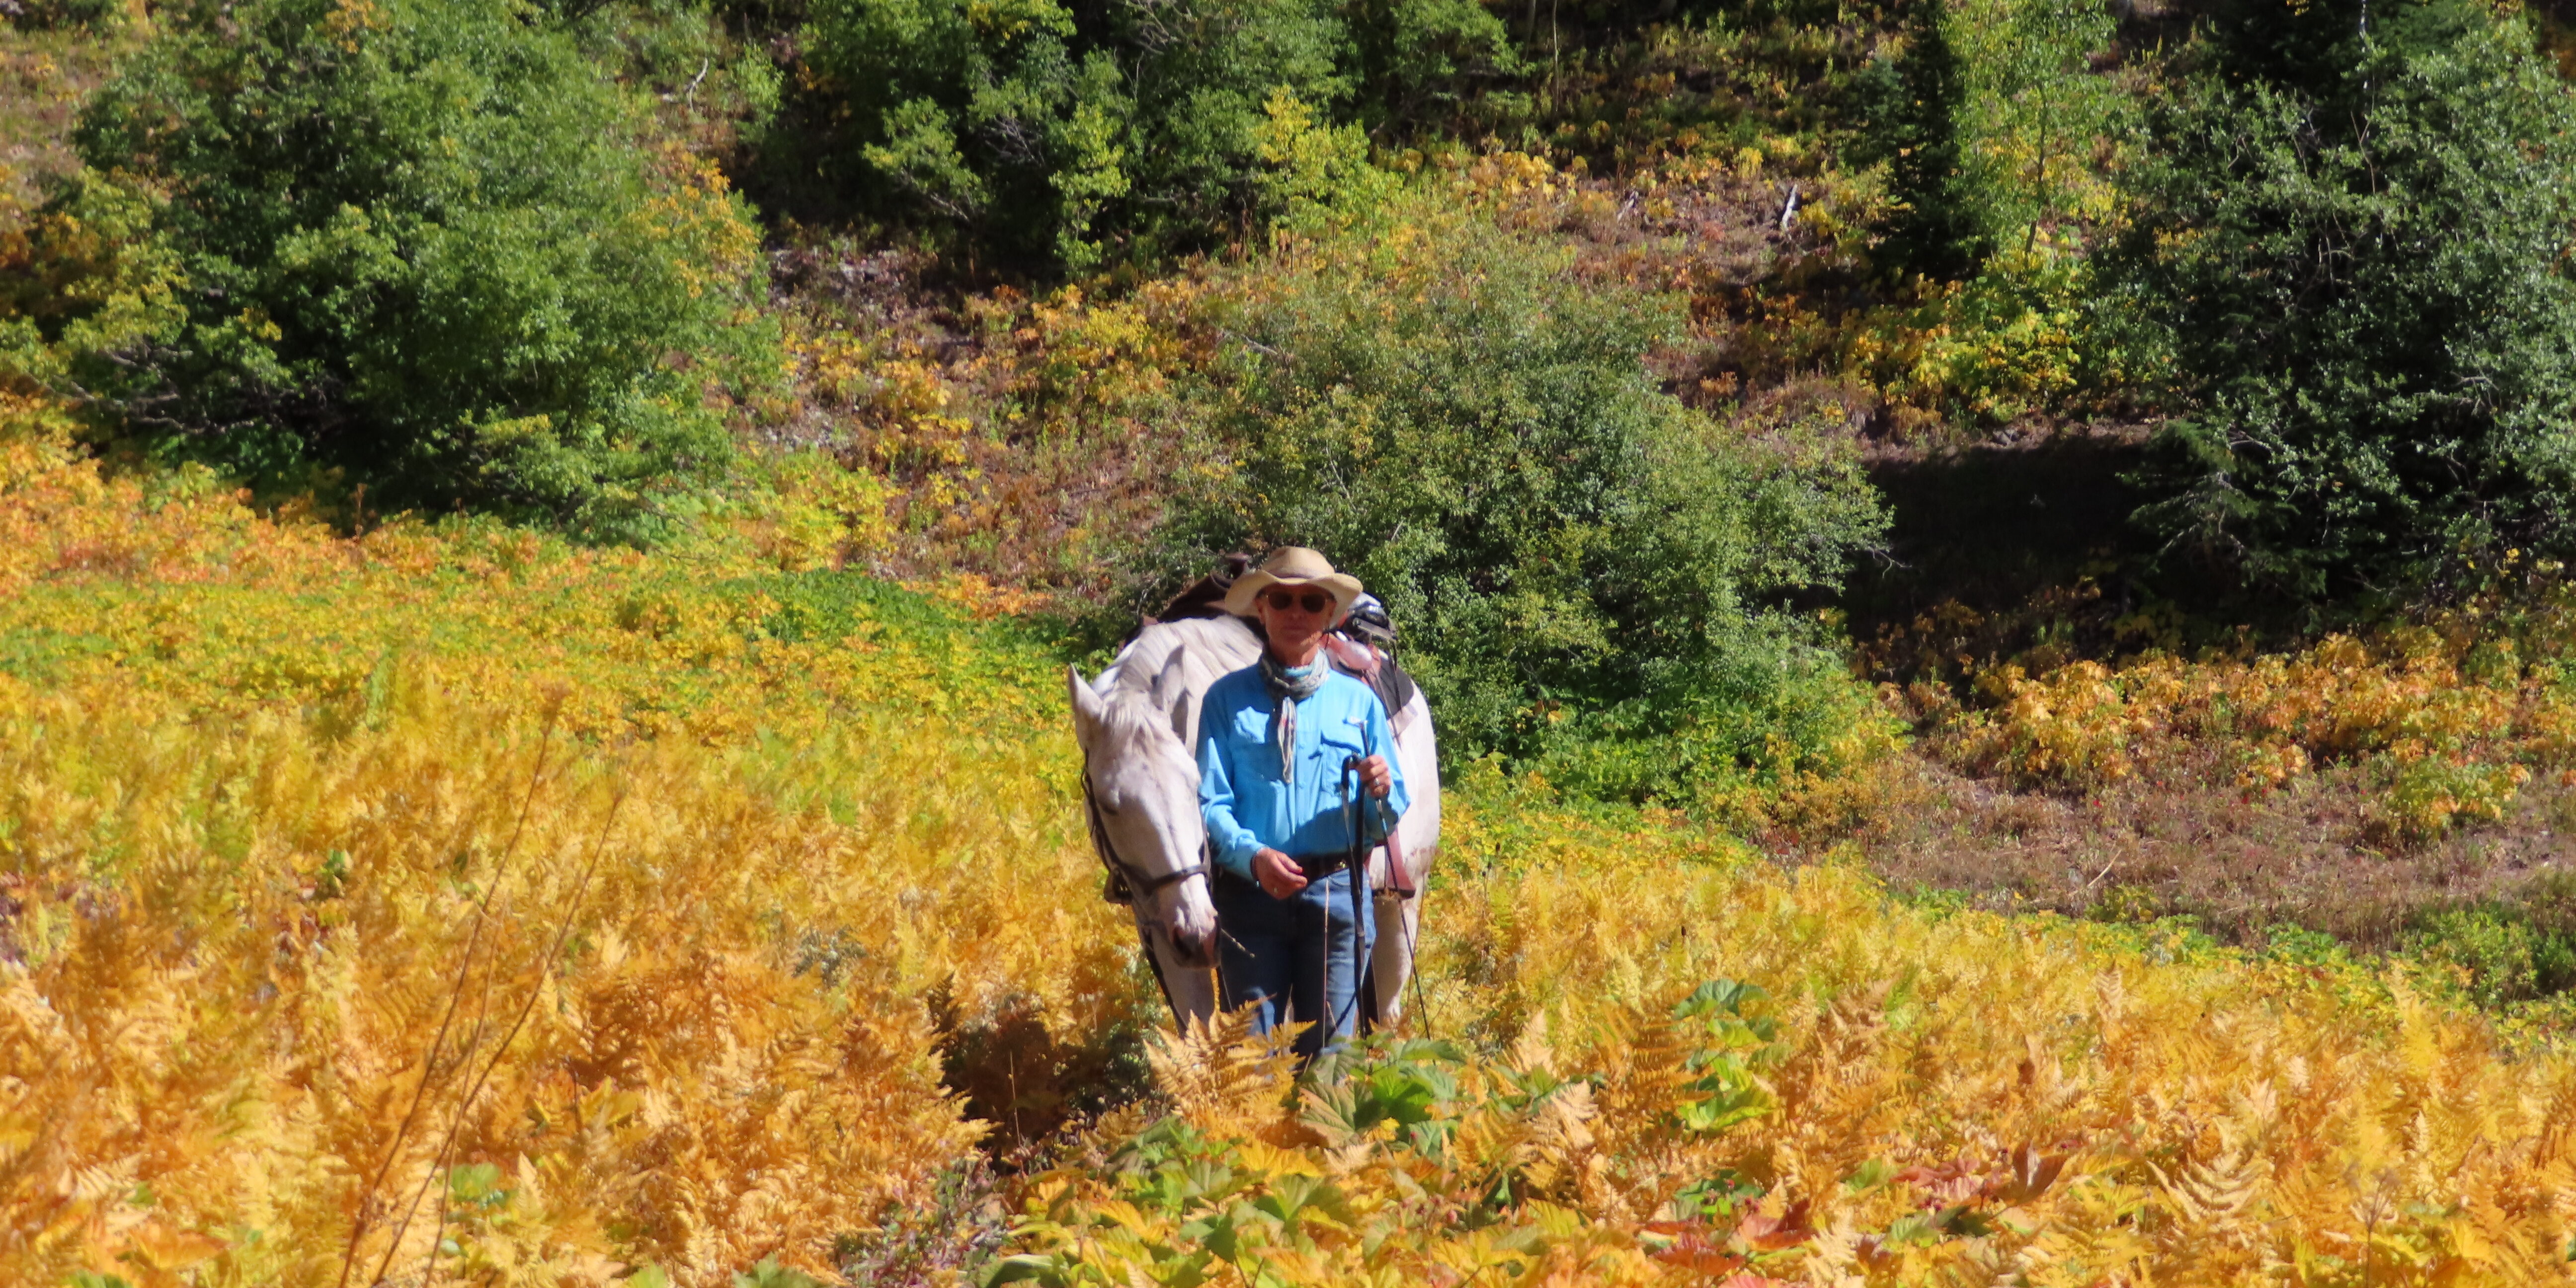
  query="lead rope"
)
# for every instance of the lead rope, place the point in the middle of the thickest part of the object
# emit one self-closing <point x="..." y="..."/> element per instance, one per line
<point x="1355" y="871"/>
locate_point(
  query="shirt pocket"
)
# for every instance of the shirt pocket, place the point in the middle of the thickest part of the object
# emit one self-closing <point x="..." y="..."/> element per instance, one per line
<point x="1247" y="735"/>
<point x="1339" y="741"/>
<point x="1249" y="725"/>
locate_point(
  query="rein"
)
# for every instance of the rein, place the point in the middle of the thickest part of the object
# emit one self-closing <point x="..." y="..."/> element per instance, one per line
<point x="1124" y="882"/>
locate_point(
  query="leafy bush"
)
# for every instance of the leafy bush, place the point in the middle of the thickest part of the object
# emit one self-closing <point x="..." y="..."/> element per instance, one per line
<point x="1058" y="136"/>
<point x="2494" y="952"/>
<point x="50" y="15"/>
<point x="2010" y="339"/>
<point x="2548" y="903"/>
<point x="419" y="242"/>
<point x="1579" y="562"/>
<point x="2510" y="949"/>
<point x="1049" y="132"/>
<point x="1420" y="63"/>
<point x="2352" y="239"/>
<point x="2431" y="795"/>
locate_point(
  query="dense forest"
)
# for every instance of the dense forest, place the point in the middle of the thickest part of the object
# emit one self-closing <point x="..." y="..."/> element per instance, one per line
<point x="2011" y="556"/>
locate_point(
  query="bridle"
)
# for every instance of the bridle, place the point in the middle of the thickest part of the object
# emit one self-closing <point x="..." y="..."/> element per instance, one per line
<point x="1125" y="883"/>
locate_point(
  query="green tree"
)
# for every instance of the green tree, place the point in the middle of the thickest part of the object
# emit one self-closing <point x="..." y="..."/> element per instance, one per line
<point x="2031" y="113"/>
<point x="1418" y="64"/>
<point x="1913" y="101"/>
<point x="1579" y="563"/>
<point x="417" y="241"/>
<point x="2354" y="242"/>
<point x="1056" y="134"/>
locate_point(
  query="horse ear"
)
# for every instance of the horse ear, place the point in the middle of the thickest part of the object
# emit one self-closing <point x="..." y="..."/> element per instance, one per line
<point x="1088" y="707"/>
<point x="1172" y="692"/>
<point x="1172" y="683"/>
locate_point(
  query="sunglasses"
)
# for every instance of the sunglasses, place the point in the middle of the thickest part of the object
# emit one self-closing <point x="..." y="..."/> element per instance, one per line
<point x="1313" y="601"/>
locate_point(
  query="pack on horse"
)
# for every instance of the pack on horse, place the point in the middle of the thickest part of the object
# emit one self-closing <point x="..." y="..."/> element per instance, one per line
<point x="1137" y="724"/>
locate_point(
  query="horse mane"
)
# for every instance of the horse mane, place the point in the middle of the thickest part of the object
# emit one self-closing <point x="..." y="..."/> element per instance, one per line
<point x="1131" y="715"/>
<point x="1144" y="656"/>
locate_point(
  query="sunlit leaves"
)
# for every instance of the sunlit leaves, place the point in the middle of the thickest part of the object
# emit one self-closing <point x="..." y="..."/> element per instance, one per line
<point x="419" y="243"/>
<point x="242" y="875"/>
<point x="1580" y="563"/>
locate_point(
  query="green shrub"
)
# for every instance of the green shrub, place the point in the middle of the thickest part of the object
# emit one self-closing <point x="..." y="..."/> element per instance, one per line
<point x="1579" y="563"/>
<point x="55" y="15"/>
<point x="1421" y="63"/>
<point x="416" y="241"/>
<point x="2514" y="948"/>
<point x="1050" y="137"/>
<point x="2494" y="951"/>
<point x="2547" y="903"/>
<point x="2352" y="239"/>
<point x="1061" y="136"/>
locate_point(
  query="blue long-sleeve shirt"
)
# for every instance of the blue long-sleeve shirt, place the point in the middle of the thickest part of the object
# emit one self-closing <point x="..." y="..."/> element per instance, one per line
<point x="1246" y="802"/>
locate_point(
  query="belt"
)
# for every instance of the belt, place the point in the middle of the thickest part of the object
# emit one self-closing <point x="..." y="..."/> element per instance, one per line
<point x="1315" y="866"/>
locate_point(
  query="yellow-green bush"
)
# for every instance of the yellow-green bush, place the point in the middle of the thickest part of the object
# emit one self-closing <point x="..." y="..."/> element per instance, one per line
<point x="2455" y="715"/>
<point x="2001" y="345"/>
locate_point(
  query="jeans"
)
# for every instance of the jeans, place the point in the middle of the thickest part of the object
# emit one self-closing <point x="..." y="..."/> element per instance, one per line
<point x="1277" y="956"/>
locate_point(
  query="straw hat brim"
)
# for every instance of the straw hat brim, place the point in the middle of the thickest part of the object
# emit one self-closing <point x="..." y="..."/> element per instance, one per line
<point x="1239" y="598"/>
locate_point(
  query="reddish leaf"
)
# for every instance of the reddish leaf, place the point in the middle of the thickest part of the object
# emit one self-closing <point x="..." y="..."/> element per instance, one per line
<point x="1872" y="1253"/>
<point x="1786" y="1230"/>
<point x="1692" y="1250"/>
<point x="2031" y="1173"/>
<point x="1956" y="1181"/>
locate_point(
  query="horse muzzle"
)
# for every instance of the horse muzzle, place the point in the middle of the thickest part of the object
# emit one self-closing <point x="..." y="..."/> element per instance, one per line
<point x="1194" y="948"/>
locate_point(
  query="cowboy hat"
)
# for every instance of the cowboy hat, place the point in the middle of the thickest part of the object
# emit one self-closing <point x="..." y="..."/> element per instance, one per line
<point x="1292" y="566"/>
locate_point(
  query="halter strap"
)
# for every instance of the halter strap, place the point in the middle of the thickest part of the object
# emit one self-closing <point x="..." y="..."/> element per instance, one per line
<point x="1121" y="874"/>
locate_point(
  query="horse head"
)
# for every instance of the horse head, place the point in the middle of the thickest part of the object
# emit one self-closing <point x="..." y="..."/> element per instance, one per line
<point x="1145" y="787"/>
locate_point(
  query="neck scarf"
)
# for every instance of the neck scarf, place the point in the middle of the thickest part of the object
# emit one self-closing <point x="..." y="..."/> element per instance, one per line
<point x="1289" y="686"/>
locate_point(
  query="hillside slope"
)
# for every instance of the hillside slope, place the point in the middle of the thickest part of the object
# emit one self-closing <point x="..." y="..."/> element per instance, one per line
<point x="447" y="903"/>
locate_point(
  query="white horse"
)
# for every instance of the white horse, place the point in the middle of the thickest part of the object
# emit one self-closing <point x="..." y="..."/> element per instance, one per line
<point x="1138" y="726"/>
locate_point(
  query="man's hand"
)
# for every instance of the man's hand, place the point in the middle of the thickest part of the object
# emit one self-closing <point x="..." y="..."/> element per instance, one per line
<point x="1375" y="778"/>
<point x="1278" y="874"/>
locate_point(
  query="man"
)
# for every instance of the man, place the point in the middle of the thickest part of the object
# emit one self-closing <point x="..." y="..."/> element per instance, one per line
<point x="1275" y="739"/>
